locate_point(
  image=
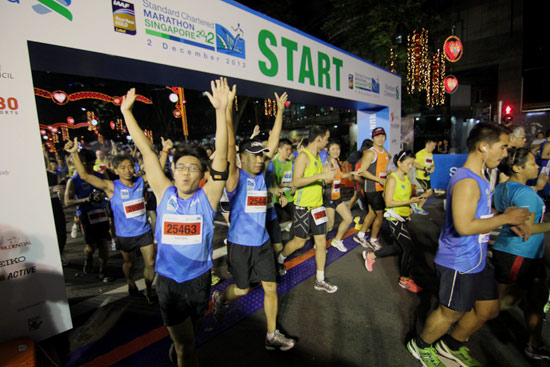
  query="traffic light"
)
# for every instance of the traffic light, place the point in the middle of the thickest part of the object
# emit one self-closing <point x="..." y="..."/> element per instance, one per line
<point x="507" y="116"/>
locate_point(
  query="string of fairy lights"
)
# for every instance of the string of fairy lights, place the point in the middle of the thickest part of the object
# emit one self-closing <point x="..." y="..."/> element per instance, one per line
<point x="425" y="72"/>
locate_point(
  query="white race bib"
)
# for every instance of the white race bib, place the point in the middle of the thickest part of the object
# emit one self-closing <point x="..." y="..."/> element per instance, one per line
<point x="134" y="208"/>
<point x="336" y="186"/>
<point x="428" y="161"/>
<point x="484" y="237"/>
<point x="97" y="216"/>
<point x="256" y="201"/>
<point x="287" y="177"/>
<point x="178" y="229"/>
<point x="319" y="215"/>
<point x="383" y="174"/>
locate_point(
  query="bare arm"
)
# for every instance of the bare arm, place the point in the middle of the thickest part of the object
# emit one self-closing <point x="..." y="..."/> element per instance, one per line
<point x="465" y="198"/>
<point x="545" y="154"/>
<point x="105" y="185"/>
<point x="155" y="175"/>
<point x="220" y="97"/>
<point x="233" y="178"/>
<point x="273" y="140"/>
<point x="70" y="193"/>
<point x="389" y="190"/>
<point x="366" y="161"/>
<point x="166" y="146"/>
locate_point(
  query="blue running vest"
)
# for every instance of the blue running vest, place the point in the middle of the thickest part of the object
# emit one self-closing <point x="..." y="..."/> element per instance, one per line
<point x="467" y="254"/>
<point x="248" y="211"/>
<point x="83" y="190"/>
<point x="184" y="232"/>
<point x="128" y="206"/>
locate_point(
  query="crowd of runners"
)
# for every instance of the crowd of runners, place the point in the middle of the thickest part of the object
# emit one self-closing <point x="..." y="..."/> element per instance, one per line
<point x="163" y="203"/>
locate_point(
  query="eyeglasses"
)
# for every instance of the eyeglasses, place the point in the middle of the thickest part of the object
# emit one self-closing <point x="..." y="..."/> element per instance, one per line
<point x="191" y="168"/>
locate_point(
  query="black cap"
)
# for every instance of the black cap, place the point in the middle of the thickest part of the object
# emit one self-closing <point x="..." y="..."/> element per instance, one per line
<point x="378" y="131"/>
<point x="252" y="146"/>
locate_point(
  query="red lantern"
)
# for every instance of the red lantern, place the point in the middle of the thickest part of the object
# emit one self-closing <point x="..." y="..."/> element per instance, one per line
<point x="453" y="48"/>
<point x="287" y="103"/>
<point x="43" y="132"/>
<point x="177" y="113"/>
<point x="117" y="101"/>
<point x="112" y="124"/>
<point x="96" y="132"/>
<point x="451" y="84"/>
<point x="70" y="120"/>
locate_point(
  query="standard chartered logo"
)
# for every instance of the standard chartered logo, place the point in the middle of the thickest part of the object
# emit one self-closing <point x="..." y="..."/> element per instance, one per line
<point x="58" y="6"/>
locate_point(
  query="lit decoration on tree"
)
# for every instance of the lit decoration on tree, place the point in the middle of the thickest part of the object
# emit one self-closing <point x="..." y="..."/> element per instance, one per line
<point x="270" y="107"/>
<point x="392" y="60"/>
<point x="435" y="96"/>
<point x="418" y="62"/>
<point x="119" y="125"/>
<point x="65" y="133"/>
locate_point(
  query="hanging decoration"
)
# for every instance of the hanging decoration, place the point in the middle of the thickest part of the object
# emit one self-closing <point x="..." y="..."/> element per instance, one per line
<point x="392" y="60"/>
<point x="435" y="96"/>
<point x="65" y="133"/>
<point x="60" y="97"/>
<point x="418" y="62"/>
<point x="452" y="48"/>
<point x="181" y="109"/>
<point x="451" y="84"/>
<point x="119" y="125"/>
<point x="270" y="107"/>
<point x="92" y="121"/>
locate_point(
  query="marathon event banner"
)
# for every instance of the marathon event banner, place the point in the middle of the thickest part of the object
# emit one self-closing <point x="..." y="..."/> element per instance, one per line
<point x="212" y="37"/>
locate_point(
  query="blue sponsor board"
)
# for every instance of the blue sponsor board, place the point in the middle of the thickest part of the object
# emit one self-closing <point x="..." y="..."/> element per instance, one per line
<point x="445" y="167"/>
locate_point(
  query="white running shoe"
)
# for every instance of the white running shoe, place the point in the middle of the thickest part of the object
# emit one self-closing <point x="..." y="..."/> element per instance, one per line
<point x="339" y="245"/>
<point x="74" y="230"/>
<point x="391" y="214"/>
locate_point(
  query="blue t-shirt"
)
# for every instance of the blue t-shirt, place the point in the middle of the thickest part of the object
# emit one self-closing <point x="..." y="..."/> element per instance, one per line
<point x="248" y="211"/>
<point x="128" y="206"/>
<point x="467" y="254"/>
<point x="516" y="194"/>
<point x="83" y="190"/>
<point x="184" y="232"/>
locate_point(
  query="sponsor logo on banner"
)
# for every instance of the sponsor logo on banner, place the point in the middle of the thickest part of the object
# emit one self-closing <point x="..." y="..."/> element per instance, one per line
<point x="13" y="261"/>
<point x="391" y="91"/>
<point x="5" y="74"/>
<point x="14" y="1"/>
<point x="13" y="243"/>
<point x="57" y="6"/>
<point x="367" y="83"/>
<point x="20" y="273"/>
<point x="228" y="43"/>
<point x="124" y="17"/>
<point x="8" y="106"/>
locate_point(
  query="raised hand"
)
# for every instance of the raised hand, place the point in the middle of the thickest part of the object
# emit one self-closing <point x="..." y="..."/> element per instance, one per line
<point x="166" y="144"/>
<point x="231" y="94"/>
<point x="281" y="101"/>
<point x="220" y="90"/>
<point x="128" y="101"/>
<point x="71" y="147"/>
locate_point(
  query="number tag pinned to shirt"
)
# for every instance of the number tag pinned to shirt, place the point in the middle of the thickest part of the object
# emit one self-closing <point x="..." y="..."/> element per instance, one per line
<point x="336" y="186"/>
<point x="134" y="208"/>
<point x="319" y="215"/>
<point x="287" y="177"/>
<point x="180" y="229"/>
<point x="256" y="201"/>
<point x="483" y="238"/>
<point x="98" y="216"/>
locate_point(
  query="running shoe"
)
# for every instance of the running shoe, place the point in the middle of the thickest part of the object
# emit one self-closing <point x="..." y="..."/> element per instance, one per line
<point x="219" y="307"/>
<point x="214" y="278"/>
<point x="279" y="342"/>
<point x="391" y="214"/>
<point x="326" y="286"/>
<point x="74" y="230"/>
<point x="362" y="241"/>
<point x="339" y="245"/>
<point x="426" y="356"/>
<point x="461" y="356"/>
<point x="88" y="265"/>
<point x="133" y="291"/>
<point x="373" y="244"/>
<point x="281" y="269"/>
<point x="541" y="352"/>
<point x="410" y="285"/>
<point x="418" y="210"/>
<point x="369" y="261"/>
<point x="105" y="278"/>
